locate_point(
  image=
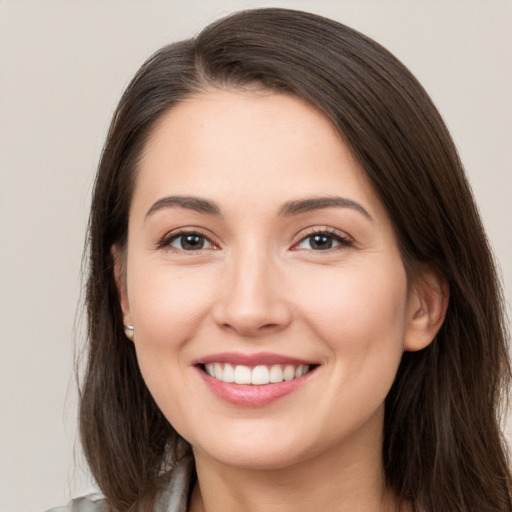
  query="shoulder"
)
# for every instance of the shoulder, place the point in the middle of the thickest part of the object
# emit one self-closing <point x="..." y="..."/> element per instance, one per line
<point x="90" y="503"/>
<point x="174" y="498"/>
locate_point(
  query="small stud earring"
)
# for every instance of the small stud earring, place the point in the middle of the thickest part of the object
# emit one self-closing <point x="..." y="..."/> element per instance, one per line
<point x="129" y="330"/>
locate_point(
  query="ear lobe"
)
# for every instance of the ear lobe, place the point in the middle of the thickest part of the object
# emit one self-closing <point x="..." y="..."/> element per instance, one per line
<point x="428" y="302"/>
<point x="120" y="278"/>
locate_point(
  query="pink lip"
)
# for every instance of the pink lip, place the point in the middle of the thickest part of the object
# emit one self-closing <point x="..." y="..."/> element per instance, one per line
<point x="267" y="358"/>
<point x="249" y="395"/>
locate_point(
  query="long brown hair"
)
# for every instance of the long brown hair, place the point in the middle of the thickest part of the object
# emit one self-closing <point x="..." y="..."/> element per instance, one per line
<point x="443" y="449"/>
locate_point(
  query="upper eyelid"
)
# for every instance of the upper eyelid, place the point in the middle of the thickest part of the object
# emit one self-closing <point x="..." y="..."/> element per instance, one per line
<point x="192" y="230"/>
<point x="304" y="233"/>
<point x="345" y="241"/>
<point x="313" y="230"/>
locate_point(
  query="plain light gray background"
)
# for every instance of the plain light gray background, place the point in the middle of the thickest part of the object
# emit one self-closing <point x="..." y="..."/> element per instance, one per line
<point x="63" y="66"/>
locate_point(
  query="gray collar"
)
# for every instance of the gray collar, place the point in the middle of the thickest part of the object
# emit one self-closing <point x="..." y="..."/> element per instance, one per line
<point x="175" y="497"/>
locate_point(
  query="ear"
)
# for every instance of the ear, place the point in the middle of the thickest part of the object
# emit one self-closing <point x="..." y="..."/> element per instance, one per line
<point x="120" y="278"/>
<point x="428" y="302"/>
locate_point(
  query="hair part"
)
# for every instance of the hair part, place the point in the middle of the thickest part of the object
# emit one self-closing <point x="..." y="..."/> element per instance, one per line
<point x="443" y="447"/>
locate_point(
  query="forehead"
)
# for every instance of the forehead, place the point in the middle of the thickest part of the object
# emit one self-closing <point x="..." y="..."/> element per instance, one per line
<point x="249" y="115"/>
<point x="248" y="144"/>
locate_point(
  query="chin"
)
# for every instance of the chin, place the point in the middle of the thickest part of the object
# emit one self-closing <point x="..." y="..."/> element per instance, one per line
<point x="254" y="459"/>
<point x="259" y="450"/>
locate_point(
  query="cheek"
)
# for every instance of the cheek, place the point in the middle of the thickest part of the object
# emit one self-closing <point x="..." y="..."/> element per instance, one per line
<point x="168" y="304"/>
<point x="167" y="307"/>
<point x="359" y="312"/>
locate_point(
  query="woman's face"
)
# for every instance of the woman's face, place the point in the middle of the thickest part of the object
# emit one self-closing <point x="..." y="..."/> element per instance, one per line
<point x="259" y="253"/>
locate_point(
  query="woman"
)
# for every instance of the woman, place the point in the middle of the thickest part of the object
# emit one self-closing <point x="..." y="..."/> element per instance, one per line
<point x="291" y="300"/>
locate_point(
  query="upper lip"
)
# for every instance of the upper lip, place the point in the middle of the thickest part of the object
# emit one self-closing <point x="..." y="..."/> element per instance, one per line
<point x="261" y="358"/>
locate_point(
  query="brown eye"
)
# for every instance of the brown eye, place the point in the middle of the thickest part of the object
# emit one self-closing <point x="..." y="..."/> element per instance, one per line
<point x="322" y="242"/>
<point x="189" y="242"/>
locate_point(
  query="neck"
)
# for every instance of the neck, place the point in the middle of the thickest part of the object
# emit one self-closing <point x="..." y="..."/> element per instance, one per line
<point x="345" y="478"/>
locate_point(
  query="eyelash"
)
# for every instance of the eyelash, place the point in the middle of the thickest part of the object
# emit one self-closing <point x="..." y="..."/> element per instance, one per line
<point x="327" y="233"/>
<point x="166" y="242"/>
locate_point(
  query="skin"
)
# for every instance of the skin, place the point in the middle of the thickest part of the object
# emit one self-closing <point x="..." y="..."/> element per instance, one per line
<point x="259" y="285"/>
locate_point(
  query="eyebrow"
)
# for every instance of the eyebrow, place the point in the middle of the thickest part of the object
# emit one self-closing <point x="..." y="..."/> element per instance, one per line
<point x="318" y="203"/>
<point x="190" y="203"/>
<point x="288" y="209"/>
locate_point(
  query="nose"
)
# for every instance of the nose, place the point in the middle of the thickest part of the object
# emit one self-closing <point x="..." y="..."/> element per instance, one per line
<point x="252" y="301"/>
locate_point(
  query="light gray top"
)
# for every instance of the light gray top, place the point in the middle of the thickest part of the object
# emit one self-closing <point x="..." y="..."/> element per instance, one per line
<point x="174" y="499"/>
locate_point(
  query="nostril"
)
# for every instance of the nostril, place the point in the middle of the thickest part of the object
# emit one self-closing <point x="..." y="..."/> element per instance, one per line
<point x="250" y="305"/>
<point x="251" y="329"/>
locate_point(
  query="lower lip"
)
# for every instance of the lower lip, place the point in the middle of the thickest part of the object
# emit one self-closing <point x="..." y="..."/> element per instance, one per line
<point x="249" y="395"/>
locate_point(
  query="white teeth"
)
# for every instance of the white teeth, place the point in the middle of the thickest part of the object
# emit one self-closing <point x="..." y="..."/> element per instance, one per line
<point x="209" y="369"/>
<point x="218" y="371"/>
<point x="276" y="374"/>
<point x="259" y="375"/>
<point x="289" y="373"/>
<point x="229" y="373"/>
<point x="242" y="374"/>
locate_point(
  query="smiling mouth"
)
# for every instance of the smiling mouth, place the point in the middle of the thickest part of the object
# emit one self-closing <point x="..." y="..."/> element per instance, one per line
<point x="259" y="375"/>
